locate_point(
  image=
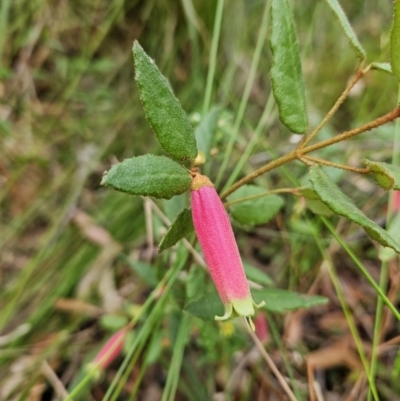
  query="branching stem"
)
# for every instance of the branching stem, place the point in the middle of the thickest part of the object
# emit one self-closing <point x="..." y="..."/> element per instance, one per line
<point x="266" y="193"/>
<point x="358" y="75"/>
<point x="299" y="153"/>
<point x="337" y="165"/>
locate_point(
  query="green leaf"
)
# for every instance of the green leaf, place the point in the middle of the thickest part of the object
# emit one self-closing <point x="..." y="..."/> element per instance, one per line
<point x="255" y="274"/>
<point x="340" y="204"/>
<point x="174" y="206"/>
<point x="163" y="110"/>
<point x="196" y="282"/>
<point x="181" y="227"/>
<point x="386" y="175"/>
<point x="314" y="204"/>
<point x="205" y="131"/>
<point x="206" y="307"/>
<point x="395" y="40"/>
<point x="347" y="28"/>
<point x="276" y="300"/>
<point x="286" y="75"/>
<point x="148" y="175"/>
<point x="385" y="67"/>
<point x="255" y="211"/>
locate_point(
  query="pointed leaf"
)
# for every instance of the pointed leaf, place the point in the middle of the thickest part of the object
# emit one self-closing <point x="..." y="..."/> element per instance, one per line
<point x="277" y="300"/>
<point x="163" y="110"/>
<point x="255" y="211"/>
<point x="385" y="67"/>
<point x="180" y="228"/>
<point x="386" y="175"/>
<point x="148" y="175"/>
<point x="314" y="204"/>
<point x="286" y="75"/>
<point x="347" y="28"/>
<point x="395" y="40"/>
<point x="339" y="203"/>
<point x="205" y="131"/>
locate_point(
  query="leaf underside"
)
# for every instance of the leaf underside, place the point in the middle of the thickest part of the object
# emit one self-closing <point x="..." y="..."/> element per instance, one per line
<point x="386" y="175"/>
<point x="385" y="67"/>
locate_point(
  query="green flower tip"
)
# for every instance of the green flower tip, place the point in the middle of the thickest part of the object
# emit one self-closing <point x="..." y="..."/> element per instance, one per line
<point x="240" y="307"/>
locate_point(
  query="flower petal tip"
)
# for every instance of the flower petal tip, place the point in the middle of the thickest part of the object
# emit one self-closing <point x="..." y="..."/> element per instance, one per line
<point x="227" y="314"/>
<point x="259" y="305"/>
<point x="243" y="307"/>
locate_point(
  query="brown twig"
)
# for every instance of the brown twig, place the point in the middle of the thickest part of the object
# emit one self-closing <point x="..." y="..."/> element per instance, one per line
<point x="298" y="153"/>
<point x="270" y="166"/>
<point x="266" y="193"/>
<point x="336" y="165"/>
<point x="271" y="364"/>
<point x="356" y="131"/>
<point x="359" y="74"/>
<point x="54" y="380"/>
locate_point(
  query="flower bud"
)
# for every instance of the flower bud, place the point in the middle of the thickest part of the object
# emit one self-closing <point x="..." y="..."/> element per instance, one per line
<point x="214" y="232"/>
<point x="110" y="350"/>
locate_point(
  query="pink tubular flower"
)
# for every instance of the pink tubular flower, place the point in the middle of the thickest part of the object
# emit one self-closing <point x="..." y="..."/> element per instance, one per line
<point x="261" y="325"/>
<point x="214" y="232"/>
<point x="110" y="350"/>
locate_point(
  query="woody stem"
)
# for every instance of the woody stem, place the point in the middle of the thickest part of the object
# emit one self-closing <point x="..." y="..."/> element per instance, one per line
<point x="299" y="153"/>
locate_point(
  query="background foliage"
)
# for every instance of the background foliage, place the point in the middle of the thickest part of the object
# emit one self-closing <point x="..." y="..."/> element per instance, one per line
<point x="78" y="261"/>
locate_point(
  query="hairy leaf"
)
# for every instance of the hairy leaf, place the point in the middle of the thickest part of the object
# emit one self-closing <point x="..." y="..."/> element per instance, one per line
<point x="182" y="226"/>
<point x="286" y="75"/>
<point x="314" y="204"/>
<point x="385" y="67"/>
<point x="277" y="300"/>
<point x="386" y="175"/>
<point x="148" y="175"/>
<point x="163" y="110"/>
<point x="347" y="28"/>
<point x="340" y="204"/>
